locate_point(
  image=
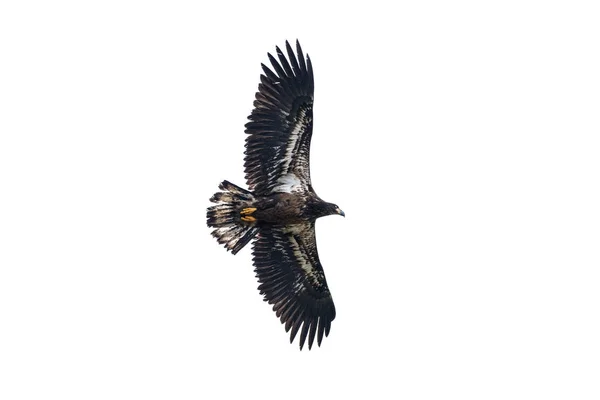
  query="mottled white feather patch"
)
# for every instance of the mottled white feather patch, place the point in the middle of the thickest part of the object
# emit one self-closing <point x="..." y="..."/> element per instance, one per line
<point x="288" y="183"/>
<point x="303" y="261"/>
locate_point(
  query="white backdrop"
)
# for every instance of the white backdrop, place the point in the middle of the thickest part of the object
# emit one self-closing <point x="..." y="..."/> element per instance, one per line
<point x="461" y="140"/>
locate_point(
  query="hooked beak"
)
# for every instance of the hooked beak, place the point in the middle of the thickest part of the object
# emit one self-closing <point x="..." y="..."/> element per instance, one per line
<point x="340" y="212"/>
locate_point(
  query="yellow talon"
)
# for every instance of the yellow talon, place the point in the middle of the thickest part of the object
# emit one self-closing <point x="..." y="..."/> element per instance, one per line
<point x="248" y="218"/>
<point x="248" y="210"/>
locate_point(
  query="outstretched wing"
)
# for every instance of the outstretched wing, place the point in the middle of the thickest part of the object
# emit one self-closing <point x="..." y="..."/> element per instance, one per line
<point x="280" y="127"/>
<point x="292" y="280"/>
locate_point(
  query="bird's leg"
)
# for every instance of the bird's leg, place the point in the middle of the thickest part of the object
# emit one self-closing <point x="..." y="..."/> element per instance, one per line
<point x="248" y="210"/>
<point x="245" y="213"/>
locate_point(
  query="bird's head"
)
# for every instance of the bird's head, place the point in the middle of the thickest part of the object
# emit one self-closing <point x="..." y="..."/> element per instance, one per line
<point x="317" y="208"/>
<point x="333" y="209"/>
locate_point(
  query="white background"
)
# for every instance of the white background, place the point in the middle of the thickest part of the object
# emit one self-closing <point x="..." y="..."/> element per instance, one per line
<point x="461" y="140"/>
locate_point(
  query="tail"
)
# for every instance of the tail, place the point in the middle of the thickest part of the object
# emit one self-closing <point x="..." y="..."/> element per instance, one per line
<point x="233" y="228"/>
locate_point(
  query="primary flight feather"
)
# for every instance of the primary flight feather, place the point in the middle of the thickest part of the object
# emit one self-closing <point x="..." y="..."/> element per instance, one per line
<point x="280" y="208"/>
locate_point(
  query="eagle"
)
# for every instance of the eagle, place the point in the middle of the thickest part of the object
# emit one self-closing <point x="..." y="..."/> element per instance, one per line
<point x="280" y="208"/>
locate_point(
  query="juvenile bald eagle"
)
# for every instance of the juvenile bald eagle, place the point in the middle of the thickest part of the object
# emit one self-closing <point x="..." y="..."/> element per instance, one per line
<point x="280" y="209"/>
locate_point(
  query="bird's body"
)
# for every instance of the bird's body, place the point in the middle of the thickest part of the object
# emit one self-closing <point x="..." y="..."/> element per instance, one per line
<point x="280" y="209"/>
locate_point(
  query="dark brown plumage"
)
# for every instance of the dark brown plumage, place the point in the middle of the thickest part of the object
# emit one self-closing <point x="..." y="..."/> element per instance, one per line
<point x="280" y="209"/>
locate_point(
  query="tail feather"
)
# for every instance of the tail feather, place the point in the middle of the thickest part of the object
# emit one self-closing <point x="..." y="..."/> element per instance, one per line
<point x="231" y="230"/>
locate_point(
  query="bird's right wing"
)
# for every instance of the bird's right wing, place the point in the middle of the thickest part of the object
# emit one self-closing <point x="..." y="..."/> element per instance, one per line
<point x="280" y="127"/>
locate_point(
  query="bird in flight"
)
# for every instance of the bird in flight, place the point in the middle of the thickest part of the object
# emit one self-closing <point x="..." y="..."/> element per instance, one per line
<point x="280" y="208"/>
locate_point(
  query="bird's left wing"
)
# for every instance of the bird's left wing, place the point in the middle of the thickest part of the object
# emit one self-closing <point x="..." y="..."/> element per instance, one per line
<point x="292" y="280"/>
<point x="280" y="127"/>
